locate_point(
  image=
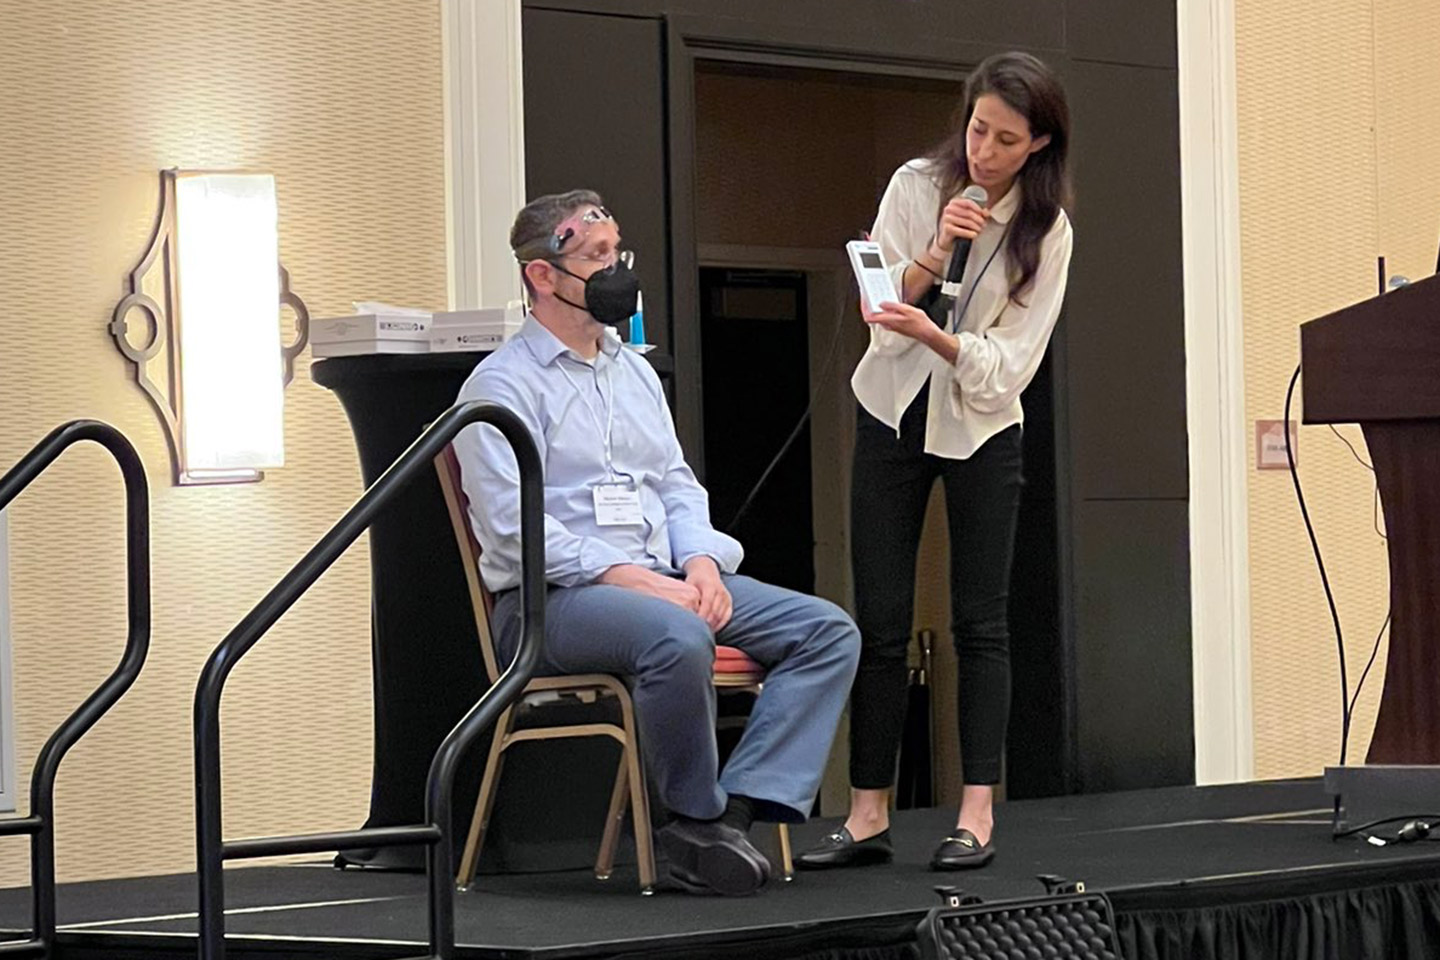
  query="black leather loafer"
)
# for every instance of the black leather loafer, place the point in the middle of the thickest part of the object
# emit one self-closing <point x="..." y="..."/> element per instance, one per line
<point x="710" y="857"/>
<point x="840" y="849"/>
<point x="962" y="850"/>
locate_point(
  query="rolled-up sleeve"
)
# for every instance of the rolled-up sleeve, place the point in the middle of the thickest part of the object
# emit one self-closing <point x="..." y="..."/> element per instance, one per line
<point x="491" y="478"/>
<point x="994" y="367"/>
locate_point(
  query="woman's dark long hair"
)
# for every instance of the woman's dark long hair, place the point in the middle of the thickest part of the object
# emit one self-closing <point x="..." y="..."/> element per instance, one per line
<point x="1029" y="87"/>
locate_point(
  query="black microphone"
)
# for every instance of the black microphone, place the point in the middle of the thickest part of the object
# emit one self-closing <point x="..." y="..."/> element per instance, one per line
<point x="961" y="253"/>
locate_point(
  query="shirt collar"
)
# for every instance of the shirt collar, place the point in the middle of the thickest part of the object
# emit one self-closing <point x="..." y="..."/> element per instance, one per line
<point x="545" y="347"/>
<point x="1005" y="209"/>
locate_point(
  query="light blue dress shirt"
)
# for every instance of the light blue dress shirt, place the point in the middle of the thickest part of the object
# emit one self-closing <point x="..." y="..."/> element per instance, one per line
<point x="568" y="403"/>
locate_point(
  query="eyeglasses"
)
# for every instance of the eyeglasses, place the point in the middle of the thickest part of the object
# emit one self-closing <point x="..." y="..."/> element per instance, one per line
<point x="572" y="234"/>
<point x="626" y="257"/>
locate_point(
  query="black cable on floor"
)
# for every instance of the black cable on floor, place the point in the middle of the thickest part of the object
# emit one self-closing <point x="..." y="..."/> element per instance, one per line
<point x="1428" y="818"/>
<point x="1324" y="577"/>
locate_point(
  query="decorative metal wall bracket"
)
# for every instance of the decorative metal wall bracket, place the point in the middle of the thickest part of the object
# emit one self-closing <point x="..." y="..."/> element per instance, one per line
<point x="154" y="292"/>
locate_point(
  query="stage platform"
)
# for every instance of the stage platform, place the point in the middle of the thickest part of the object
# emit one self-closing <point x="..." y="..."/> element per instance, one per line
<point x="1242" y="871"/>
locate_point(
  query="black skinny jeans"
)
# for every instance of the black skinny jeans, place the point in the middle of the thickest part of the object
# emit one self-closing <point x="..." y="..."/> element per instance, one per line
<point x="890" y="489"/>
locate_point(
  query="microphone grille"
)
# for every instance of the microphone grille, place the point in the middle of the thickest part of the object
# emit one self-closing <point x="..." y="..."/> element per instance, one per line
<point x="977" y="193"/>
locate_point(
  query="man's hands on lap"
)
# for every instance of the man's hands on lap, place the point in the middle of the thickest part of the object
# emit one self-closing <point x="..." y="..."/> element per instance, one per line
<point x="702" y="592"/>
<point x="632" y="576"/>
<point x="715" y="602"/>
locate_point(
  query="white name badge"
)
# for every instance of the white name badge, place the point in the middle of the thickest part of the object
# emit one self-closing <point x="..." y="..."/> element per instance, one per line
<point x="617" y="505"/>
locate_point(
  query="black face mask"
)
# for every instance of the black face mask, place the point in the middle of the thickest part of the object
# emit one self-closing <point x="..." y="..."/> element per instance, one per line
<point x="611" y="294"/>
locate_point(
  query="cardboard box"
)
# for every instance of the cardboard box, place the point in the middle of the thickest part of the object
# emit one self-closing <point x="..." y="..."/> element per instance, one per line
<point x="465" y="339"/>
<point x="475" y="330"/>
<point x="370" y="326"/>
<point x="355" y="348"/>
<point x="486" y="316"/>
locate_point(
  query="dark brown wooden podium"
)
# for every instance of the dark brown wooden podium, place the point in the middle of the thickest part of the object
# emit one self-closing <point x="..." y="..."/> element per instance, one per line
<point x="1377" y="363"/>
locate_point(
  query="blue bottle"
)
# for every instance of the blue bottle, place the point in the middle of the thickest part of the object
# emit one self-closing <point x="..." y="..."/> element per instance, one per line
<point x="637" y="322"/>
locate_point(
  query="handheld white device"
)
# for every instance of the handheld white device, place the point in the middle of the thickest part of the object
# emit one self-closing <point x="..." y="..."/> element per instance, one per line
<point x="870" y="271"/>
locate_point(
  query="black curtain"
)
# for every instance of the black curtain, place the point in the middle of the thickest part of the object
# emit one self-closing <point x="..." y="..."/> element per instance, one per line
<point x="1398" y="921"/>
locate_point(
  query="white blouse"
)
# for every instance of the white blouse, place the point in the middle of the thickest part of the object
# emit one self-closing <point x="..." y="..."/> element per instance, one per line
<point x="1001" y="342"/>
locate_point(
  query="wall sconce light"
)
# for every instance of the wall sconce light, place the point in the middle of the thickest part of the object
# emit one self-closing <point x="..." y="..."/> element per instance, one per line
<point x="211" y="287"/>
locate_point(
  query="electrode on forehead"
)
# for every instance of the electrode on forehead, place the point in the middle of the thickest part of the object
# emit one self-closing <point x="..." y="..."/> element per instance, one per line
<point x="578" y="223"/>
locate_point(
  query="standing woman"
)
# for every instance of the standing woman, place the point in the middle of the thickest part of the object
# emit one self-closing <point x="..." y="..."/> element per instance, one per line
<point x="941" y="398"/>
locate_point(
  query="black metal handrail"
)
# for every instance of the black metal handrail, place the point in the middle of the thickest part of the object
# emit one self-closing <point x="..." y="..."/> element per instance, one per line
<point x="212" y="849"/>
<point x="40" y="824"/>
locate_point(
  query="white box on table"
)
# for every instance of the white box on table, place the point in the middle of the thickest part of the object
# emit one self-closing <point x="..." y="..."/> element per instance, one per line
<point x="363" y="333"/>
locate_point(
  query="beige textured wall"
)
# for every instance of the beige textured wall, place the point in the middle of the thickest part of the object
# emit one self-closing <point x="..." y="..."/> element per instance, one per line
<point x="342" y="102"/>
<point x="1339" y="152"/>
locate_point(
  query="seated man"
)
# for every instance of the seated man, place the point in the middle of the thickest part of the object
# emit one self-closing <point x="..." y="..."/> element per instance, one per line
<point x="641" y="584"/>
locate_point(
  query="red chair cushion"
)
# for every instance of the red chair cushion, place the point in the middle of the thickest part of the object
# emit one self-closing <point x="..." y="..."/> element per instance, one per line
<point x="730" y="660"/>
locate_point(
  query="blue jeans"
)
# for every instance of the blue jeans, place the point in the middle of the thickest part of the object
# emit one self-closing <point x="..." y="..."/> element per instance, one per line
<point x="808" y="646"/>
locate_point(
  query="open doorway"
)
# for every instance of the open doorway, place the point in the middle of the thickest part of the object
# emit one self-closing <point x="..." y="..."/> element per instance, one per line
<point x="790" y="164"/>
<point x="753" y="328"/>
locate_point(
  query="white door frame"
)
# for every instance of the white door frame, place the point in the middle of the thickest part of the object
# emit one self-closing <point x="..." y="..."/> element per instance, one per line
<point x="484" y="148"/>
<point x="1215" y="393"/>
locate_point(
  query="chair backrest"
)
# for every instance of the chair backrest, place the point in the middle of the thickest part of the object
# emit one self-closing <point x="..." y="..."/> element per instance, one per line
<point x="447" y="465"/>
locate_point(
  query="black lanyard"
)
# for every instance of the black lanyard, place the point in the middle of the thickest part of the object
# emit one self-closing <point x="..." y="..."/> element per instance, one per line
<point x="970" y="293"/>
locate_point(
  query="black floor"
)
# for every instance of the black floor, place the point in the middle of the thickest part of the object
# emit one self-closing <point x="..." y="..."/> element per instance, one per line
<point x="1190" y="840"/>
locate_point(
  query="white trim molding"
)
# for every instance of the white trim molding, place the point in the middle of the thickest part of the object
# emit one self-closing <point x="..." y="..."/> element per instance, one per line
<point x="484" y="148"/>
<point x="1215" y="393"/>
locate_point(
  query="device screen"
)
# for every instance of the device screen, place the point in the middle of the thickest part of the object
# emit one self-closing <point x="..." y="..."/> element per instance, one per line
<point x="871" y="261"/>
